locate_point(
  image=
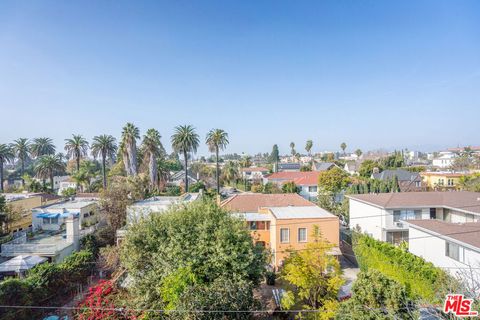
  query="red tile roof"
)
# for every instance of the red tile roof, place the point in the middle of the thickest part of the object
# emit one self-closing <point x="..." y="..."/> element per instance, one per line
<point x="468" y="233"/>
<point x="307" y="178"/>
<point x="251" y="202"/>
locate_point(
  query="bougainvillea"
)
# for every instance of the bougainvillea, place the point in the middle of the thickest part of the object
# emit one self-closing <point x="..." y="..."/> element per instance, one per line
<point x="100" y="304"/>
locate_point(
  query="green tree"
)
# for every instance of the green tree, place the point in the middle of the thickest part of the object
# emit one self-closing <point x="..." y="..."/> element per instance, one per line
<point x="358" y="152"/>
<point x="6" y="155"/>
<point x="185" y="140"/>
<point x="376" y="297"/>
<point x="21" y="149"/>
<point x="41" y="147"/>
<point x="308" y="146"/>
<point x="292" y="149"/>
<point x="343" y="146"/>
<point x="84" y="175"/>
<point x="246" y="161"/>
<point x="271" y="187"/>
<point x="104" y="146"/>
<point x="289" y="187"/>
<point x="152" y="150"/>
<point x="333" y="181"/>
<point x="315" y="276"/>
<point x="366" y="168"/>
<point x="275" y="156"/>
<point x="202" y="237"/>
<point x="48" y="165"/>
<point x="77" y="148"/>
<point x="217" y="139"/>
<point x="230" y="172"/>
<point x="128" y="148"/>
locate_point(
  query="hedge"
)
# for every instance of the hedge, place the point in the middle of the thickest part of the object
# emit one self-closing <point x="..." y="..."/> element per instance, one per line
<point x="421" y="279"/>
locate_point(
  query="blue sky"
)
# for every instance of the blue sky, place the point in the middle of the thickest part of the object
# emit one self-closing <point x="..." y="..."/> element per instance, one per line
<point x="375" y="74"/>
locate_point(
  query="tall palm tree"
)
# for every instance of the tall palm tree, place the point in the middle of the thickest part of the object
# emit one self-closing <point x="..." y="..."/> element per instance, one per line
<point x="217" y="139"/>
<point x="230" y="171"/>
<point x="152" y="149"/>
<point x="42" y="146"/>
<point x="76" y="147"/>
<point x="6" y="155"/>
<point x="343" y="146"/>
<point x="163" y="173"/>
<point x="21" y="149"/>
<point x="185" y="140"/>
<point x="128" y="146"/>
<point x="292" y="149"/>
<point x="308" y="148"/>
<point x="48" y="165"/>
<point x="104" y="146"/>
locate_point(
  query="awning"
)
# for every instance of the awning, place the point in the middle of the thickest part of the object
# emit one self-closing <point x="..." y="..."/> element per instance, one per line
<point x="48" y="215"/>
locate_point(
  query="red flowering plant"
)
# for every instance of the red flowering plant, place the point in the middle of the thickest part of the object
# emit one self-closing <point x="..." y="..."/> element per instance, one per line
<point x="100" y="304"/>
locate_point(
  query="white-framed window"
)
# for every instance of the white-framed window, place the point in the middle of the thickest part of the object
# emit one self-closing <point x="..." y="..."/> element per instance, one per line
<point x="312" y="189"/>
<point x="284" y="235"/>
<point x="454" y="251"/>
<point x="302" y="234"/>
<point x="50" y="220"/>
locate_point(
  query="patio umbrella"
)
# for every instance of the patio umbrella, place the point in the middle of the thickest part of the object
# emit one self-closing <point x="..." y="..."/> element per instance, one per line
<point x="21" y="263"/>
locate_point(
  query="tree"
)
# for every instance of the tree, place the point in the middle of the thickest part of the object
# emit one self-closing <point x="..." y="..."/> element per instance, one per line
<point x="104" y="146"/>
<point x="275" y="156"/>
<point x="21" y="149"/>
<point x="152" y="150"/>
<point x="333" y="181"/>
<point x="343" y="146"/>
<point x="358" y="152"/>
<point x="47" y="166"/>
<point x="128" y="148"/>
<point x="292" y="149"/>
<point x="42" y="146"/>
<point x="308" y="146"/>
<point x="230" y="172"/>
<point x="77" y="148"/>
<point x="376" y="297"/>
<point x="315" y="276"/>
<point x="366" y="168"/>
<point x="6" y="155"/>
<point x="289" y="187"/>
<point x="185" y="140"/>
<point x="187" y="249"/>
<point x="217" y="139"/>
<point x="83" y="176"/>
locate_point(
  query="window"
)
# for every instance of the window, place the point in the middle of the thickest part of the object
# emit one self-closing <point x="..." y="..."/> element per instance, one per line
<point x="302" y="234"/>
<point x="441" y="182"/>
<point x="406" y="215"/>
<point x="284" y="235"/>
<point x="253" y="225"/>
<point x="50" y="220"/>
<point x="433" y="213"/>
<point x="450" y="182"/>
<point x="469" y="217"/>
<point x="452" y="250"/>
<point x="418" y="214"/>
<point x="312" y="189"/>
<point x="259" y="225"/>
<point x="396" y="237"/>
<point x="418" y="184"/>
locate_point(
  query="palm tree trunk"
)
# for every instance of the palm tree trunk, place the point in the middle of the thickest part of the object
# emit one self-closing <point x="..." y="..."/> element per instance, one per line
<point x="51" y="182"/>
<point x="217" y="172"/>
<point x="132" y="157"/>
<point x="186" y="170"/>
<point x="104" y="173"/>
<point x="23" y="172"/>
<point x="153" y="170"/>
<point x="1" y="175"/>
<point x="78" y="163"/>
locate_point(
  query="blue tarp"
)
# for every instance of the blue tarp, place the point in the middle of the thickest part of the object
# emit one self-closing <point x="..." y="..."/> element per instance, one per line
<point x="48" y="215"/>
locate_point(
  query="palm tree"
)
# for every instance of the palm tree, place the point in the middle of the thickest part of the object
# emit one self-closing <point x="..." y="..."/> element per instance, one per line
<point x="308" y="148"/>
<point x="6" y="155"/>
<point x="128" y="146"/>
<point x="230" y="171"/>
<point x="48" y="165"/>
<point x="21" y="149"/>
<point x="343" y="146"/>
<point x="217" y="139"/>
<point x="185" y="140"/>
<point x="42" y="146"/>
<point x="104" y="146"/>
<point x="292" y="147"/>
<point x="163" y="173"/>
<point x="152" y="149"/>
<point x="76" y="148"/>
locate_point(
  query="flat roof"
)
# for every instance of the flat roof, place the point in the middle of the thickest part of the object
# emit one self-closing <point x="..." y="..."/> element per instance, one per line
<point x="467" y="233"/>
<point x="458" y="200"/>
<point x="306" y="212"/>
<point x="71" y="204"/>
<point x="254" y="216"/>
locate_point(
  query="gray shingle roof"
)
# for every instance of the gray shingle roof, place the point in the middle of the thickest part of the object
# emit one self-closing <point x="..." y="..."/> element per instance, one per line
<point x="402" y="175"/>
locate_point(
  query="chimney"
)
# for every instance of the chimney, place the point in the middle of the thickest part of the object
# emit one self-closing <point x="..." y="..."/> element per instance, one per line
<point x="73" y="231"/>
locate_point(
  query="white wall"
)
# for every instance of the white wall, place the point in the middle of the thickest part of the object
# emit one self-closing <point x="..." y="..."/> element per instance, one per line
<point x="432" y="249"/>
<point x="370" y="219"/>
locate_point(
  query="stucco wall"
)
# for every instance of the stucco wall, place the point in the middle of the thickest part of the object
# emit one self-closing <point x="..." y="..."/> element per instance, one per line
<point x="370" y="219"/>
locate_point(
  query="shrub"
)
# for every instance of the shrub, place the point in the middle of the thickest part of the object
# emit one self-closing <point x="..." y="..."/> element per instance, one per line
<point x="15" y="292"/>
<point x="173" y="191"/>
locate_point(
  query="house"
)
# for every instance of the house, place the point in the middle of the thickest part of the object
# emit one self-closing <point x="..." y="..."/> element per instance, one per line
<point x="445" y="159"/>
<point x="251" y="202"/>
<point x="52" y="217"/>
<point x="307" y="182"/>
<point x="323" y="166"/>
<point x="283" y="221"/>
<point x="53" y="245"/>
<point x="352" y="167"/>
<point x="454" y="247"/>
<point x="288" y="166"/>
<point x="254" y="173"/>
<point x="64" y="185"/>
<point x="178" y="178"/>
<point x="408" y="181"/>
<point x="383" y="215"/>
<point x="441" y="180"/>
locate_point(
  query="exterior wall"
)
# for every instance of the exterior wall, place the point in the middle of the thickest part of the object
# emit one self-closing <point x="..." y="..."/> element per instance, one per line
<point x="370" y="219"/>
<point x="309" y="195"/>
<point x="432" y="249"/>
<point x="329" y="227"/>
<point x="436" y="181"/>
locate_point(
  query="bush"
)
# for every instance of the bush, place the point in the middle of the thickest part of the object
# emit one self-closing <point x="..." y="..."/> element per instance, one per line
<point x="270" y="278"/>
<point x="173" y="191"/>
<point x="15" y="292"/>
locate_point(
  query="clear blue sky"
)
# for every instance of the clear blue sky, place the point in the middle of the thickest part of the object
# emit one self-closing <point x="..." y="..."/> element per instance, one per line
<point x="374" y="73"/>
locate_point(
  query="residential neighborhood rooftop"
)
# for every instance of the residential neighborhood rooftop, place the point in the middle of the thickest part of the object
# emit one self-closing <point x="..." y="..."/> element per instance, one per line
<point x="468" y="233"/>
<point x="460" y="200"/>
<point x="300" y="212"/>
<point x="300" y="178"/>
<point x="71" y="204"/>
<point x="251" y="202"/>
<point x="401" y="174"/>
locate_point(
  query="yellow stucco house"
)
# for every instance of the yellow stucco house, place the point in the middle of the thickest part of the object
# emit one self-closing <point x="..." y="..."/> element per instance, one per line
<point x="438" y="181"/>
